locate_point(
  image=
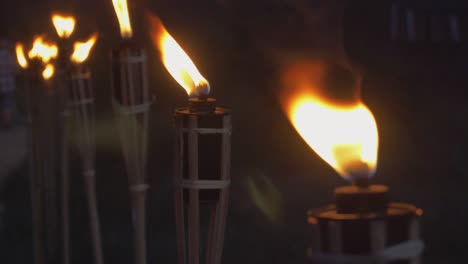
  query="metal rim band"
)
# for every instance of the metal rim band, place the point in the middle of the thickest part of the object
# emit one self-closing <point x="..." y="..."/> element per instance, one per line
<point x="203" y="184"/>
<point x="405" y="250"/>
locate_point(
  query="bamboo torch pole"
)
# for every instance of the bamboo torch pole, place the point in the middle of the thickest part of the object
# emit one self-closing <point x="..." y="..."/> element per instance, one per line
<point x="82" y="101"/>
<point x="37" y="173"/>
<point x="29" y="75"/>
<point x="64" y="26"/>
<point x="132" y="102"/>
<point x="49" y="130"/>
<point x="42" y="125"/>
<point x="82" y="104"/>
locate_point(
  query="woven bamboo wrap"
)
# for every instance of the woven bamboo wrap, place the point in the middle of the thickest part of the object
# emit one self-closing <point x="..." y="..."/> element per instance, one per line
<point x="129" y="77"/>
<point x="131" y="101"/>
<point x="197" y="183"/>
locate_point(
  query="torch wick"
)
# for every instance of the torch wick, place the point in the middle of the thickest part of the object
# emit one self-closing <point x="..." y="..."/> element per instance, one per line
<point x="361" y="183"/>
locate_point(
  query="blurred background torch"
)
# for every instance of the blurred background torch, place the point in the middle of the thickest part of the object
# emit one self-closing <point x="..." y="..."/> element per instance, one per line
<point x="81" y="103"/>
<point x="64" y="26"/>
<point x="132" y="103"/>
<point x="39" y="71"/>
<point x="202" y="155"/>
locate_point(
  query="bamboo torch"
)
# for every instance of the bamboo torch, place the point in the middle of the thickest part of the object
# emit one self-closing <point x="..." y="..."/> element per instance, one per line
<point x="43" y="181"/>
<point x="362" y="226"/>
<point x="64" y="26"/>
<point x="81" y="102"/>
<point x="36" y="187"/>
<point x="202" y="155"/>
<point x="132" y="102"/>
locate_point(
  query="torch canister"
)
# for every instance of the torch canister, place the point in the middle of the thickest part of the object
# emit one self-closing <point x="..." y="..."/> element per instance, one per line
<point x="202" y="176"/>
<point x="363" y="227"/>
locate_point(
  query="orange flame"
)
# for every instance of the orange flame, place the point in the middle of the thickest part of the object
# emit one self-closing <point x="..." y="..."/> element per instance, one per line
<point x="20" y="56"/>
<point x="48" y="72"/>
<point x="344" y="135"/>
<point x="121" y="10"/>
<point x="177" y="62"/>
<point x="82" y="49"/>
<point x="43" y="50"/>
<point x="64" y="25"/>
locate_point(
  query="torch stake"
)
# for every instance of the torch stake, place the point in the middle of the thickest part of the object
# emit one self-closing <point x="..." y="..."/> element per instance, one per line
<point x="64" y="116"/>
<point x="82" y="99"/>
<point x="48" y="140"/>
<point x="43" y="180"/>
<point x="35" y="170"/>
<point x="65" y="189"/>
<point x="131" y="104"/>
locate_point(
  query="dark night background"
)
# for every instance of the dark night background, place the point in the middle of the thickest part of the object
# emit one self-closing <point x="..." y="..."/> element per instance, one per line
<point x="416" y="92"/>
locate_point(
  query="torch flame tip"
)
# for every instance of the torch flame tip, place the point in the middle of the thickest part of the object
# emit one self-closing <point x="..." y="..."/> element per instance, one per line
<point x="43" y="50"/>
<point x="177" y="62"/>
<point x="20" y="56"/>
<point x="82" y="49"/>
<point x="48" y="72"/>
<point x="123" y="16"/>
<point x="64" y="24"/>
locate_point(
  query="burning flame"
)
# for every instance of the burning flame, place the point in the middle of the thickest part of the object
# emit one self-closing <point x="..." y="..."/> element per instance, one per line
<point x="345" y="137"/>
<point x="43" y="50"/>
<point x="22" y="61"/>
<point x="48" y="71"/>
<point x="177" y="62"/>
<point x="64" y="25"/>
<point x="121" y="10"/>
<point x="82" y="49"/>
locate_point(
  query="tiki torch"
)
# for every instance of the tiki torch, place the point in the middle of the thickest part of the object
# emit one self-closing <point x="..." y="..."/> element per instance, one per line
<point x="81" y="103"/>
<point x="43" y="182"/>
<point x="202" y="155"/>
<point x="132" y="102"/>
<point x="362" y="226"/>
<point x="36" y="185"/>
<point x="64" y="26"/>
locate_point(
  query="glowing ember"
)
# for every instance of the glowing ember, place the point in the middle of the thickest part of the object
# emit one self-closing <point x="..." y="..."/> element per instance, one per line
<point x="177" y="62"/>
<point x="48" y="72"/>
<point x="64" y="25"/>
<point x="20" y="56"/>
<point x="82" y="49"/>
<point x="43" y="50"/>
<point x="345" y="137"/>
<point x="121" y="10"/>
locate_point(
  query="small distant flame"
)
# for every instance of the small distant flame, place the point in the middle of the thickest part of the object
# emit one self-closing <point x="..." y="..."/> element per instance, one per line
<point x="20" y="56"/>
<point x="82" y="49"/>
<point x="48" y="72"/>
<point x="64" y="25"/>
<point x="43" y="50"/>
<point x="121" y="10"/>
<point x="177" y="62"/>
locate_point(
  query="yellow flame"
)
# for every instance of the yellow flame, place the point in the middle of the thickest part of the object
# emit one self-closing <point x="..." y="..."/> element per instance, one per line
<point x="177" y="62"/>
<point x="48" y="72"/>
<point x="21" y="58"/>
<point x="346" y="137"/>
<point x="82" y="49"/>
<point x="43" y="50"/>
<point x="121" y="10"/>
<point x="64" y="25"/>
